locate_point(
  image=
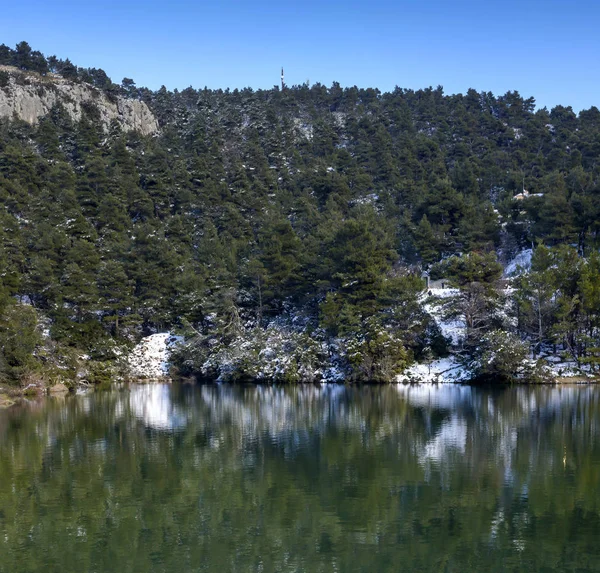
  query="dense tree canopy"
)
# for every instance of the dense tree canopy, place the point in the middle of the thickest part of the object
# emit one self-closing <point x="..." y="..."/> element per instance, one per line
<point x="326" y="199"/>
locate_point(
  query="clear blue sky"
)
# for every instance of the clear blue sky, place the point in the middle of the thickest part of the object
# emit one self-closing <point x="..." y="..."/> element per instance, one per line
<point x="548" y="49"/>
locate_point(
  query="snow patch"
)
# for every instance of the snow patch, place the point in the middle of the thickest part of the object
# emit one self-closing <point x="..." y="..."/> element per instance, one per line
<point x="150" y="358"/>
<point x="441" y="370"/>
<point x="561" y="368"/>
<point x="454" y="329"/>
<point x="520" y="264"/>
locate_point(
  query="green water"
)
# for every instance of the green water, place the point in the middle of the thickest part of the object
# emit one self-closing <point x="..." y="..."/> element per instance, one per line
<point x="161" y="478"/>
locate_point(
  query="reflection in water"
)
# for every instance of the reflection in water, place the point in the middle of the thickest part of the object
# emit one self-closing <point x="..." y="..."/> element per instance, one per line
<point x="152" y="405"/>
<point x="306" y="478"/>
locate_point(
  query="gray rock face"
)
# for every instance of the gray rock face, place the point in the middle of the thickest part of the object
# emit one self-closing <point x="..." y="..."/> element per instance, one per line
<point x="29" y="97"/>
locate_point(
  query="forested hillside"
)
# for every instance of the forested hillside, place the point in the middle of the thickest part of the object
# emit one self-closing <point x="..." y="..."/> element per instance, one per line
<point x="286" y="231"/>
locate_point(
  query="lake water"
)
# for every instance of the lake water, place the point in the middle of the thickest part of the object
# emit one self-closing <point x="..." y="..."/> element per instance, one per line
<point x="219" y="478"/>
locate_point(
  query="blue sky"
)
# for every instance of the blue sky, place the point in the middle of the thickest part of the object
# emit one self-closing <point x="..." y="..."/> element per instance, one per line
<point x="546" y="49"/>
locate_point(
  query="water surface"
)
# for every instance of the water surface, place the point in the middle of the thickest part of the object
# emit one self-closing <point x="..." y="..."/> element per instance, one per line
<point x="265" y="479"/>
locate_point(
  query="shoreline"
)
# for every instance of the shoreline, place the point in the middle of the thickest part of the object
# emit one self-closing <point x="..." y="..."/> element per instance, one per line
<point x="11" y="395"/>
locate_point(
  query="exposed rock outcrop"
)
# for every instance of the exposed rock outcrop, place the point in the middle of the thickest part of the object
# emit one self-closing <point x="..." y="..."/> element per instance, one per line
<point x="30" y="96"/>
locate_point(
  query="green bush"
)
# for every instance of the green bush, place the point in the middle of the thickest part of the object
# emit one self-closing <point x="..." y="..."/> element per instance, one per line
<point x="378" y="356"/>
<point x="503" y="357"/>
<point x="19" y="337"/>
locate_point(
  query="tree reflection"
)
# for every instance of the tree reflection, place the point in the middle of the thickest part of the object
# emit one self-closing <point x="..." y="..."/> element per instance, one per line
<point x="307" y="478"/>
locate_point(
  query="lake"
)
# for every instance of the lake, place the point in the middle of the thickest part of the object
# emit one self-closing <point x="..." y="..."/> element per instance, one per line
<point x="163" y="478"/>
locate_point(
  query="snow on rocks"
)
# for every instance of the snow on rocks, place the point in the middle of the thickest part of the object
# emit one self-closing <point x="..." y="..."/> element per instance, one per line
<point x="520" y="264"/>
<point x="441" y="370"/>
<point x="560" y="368"/>
<point x="150" y="358"/>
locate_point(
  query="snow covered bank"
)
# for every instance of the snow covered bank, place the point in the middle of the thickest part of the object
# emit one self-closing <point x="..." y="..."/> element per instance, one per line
<point x="561" y="368"/>
<point x="150" y="358"/>
<point x="435" y="302"/>
<point x="441" y="370"/>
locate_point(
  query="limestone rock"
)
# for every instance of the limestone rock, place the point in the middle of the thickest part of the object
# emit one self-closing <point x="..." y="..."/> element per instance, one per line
<point x="30" y="96"/>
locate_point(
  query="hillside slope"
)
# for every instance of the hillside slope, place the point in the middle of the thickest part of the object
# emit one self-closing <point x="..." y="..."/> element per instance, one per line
<point x="294" y="223"/>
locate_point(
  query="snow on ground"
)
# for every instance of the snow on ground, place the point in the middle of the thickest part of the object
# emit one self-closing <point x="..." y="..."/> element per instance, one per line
<point x="567" y="369"/>
<point x="441" y="370"/>
<point x="520" y="264"/>
<point x="561" y="365"/>
<point x="443" y="292"/>
<point x="454" y="329"/>
<point x="150" y="358"/>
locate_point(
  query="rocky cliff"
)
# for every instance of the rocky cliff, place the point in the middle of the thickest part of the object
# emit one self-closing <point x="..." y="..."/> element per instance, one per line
<point x="30" y="96"/>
